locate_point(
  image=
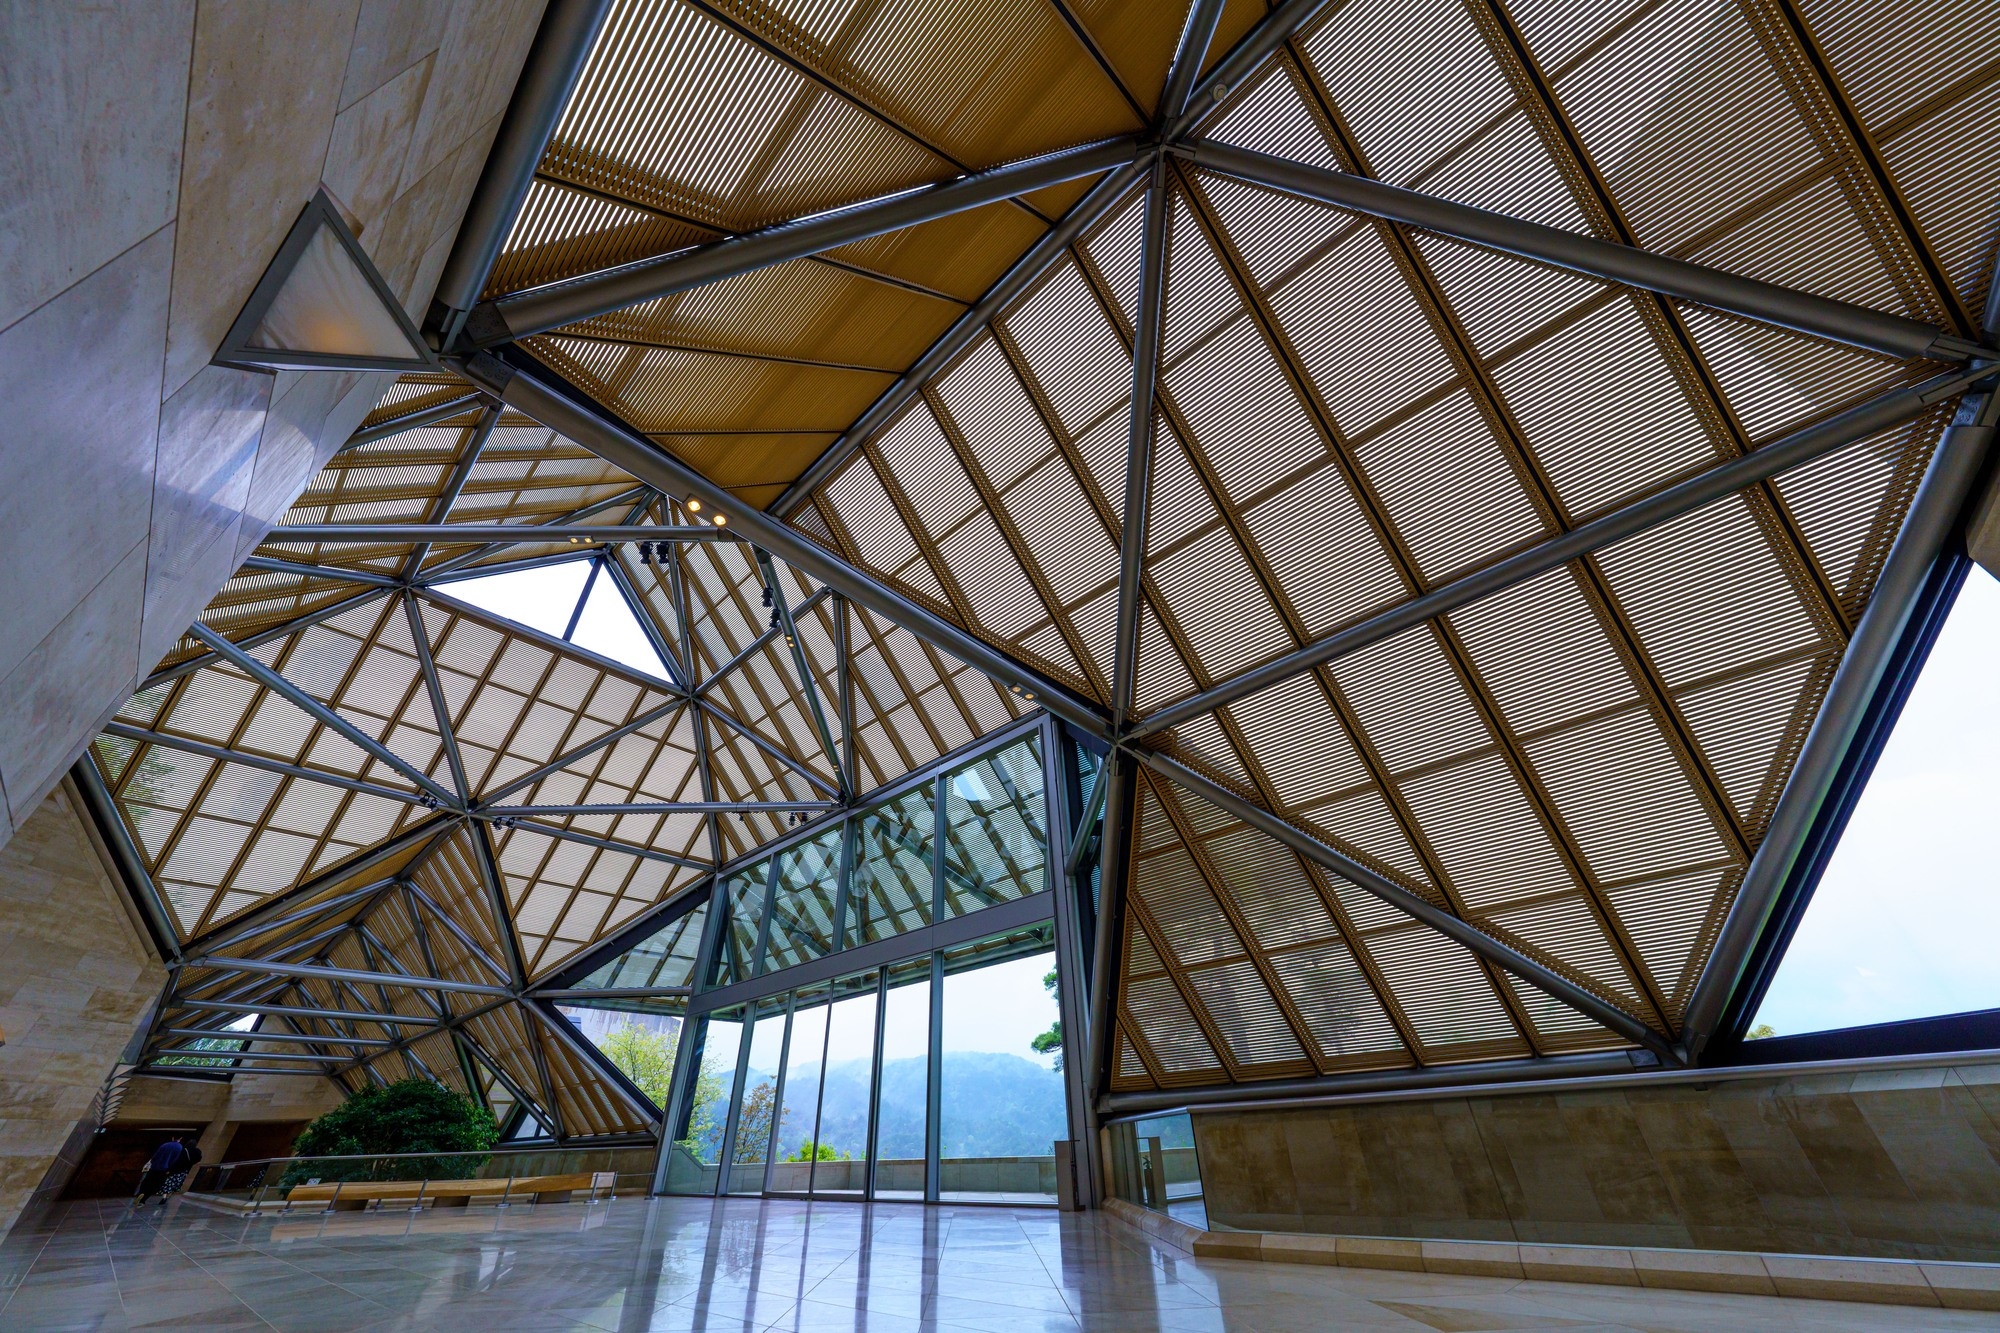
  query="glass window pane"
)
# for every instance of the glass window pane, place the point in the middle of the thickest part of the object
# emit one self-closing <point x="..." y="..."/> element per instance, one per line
<point x="692" y="1161"/>
<point x="1001" y="1106"/>
<point x="743" y="900"/>
<point x="663" y="960"/>
<point x="995" y="837"/>
<point x="760" y="1095"/>
<point x="608" y="628"/>
<point x="791" y="1169"/>
<point x="906" y="1065"/>
<point x="641" y="1044"/>
<point x="892" y="868"/>
<point x="840" y="1166"/>
<point x="1903" y="920"/>
<point x="802" y="903"/>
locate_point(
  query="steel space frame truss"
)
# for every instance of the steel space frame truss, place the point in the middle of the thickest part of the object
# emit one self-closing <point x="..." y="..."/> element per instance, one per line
<point x="469" y="334"/>
<point x="1187" y="103"/>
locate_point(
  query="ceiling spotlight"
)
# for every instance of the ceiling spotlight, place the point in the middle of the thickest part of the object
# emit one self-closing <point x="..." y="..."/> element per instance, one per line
<point x="721" y="520"/>
<point x="645" y="553"/>
<point x="694" y="505"/>
<point x="573" y="540"/>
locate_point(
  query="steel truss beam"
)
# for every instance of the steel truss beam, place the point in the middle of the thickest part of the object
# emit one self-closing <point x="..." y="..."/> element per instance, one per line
<point x="757" y="644"/>
<point x="804" y="672"/>
<point x="1456" y="928"/>
<point x="426" y="416"/>
<point x="440" y="509"/>
<point x="301" y="1011"/>
<point x="588" y="748"/>
<point x="260" y="638"/>
<point x="1189" y="56"/>
<point x="562" y="43"/>
<point x="1768" y="303"/>
<point x="634" y="495"/>
<point x="315" y="972"/>
<point x="588" y="839"/>
<point x="1800" y="447"/>
<point x="660" y="808"/>
<point x="540" y="309"/>
<point x="126" y="731"/>
<point x="264" y="564"/>
<point x="1139" y="448"/>
<point x="1040" y="258"/>
<point x="280" y="1038"/>
<point x="278" y="685"/>
<point x="488" y="534"/>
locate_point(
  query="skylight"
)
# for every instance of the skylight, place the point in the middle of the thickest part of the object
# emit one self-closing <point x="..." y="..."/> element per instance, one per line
<point x="576" y="600"/>
<point x="1903" y="921"/>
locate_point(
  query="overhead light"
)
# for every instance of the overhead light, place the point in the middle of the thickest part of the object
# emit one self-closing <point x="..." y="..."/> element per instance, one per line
<point x="694" y="505"/>
<point x="721" y="520"/>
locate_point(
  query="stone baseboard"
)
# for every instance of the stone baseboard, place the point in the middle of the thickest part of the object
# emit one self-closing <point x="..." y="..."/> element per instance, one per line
<point x="1954" y="1286"/>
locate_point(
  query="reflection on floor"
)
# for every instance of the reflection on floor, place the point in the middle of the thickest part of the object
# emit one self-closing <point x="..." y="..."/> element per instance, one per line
<point x="684" y="1264"/>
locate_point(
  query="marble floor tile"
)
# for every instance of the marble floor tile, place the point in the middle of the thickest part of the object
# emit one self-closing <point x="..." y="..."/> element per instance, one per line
<point x="759" y="1266"/>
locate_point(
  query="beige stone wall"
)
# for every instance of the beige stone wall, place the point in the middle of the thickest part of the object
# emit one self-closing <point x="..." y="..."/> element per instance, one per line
<point x="77" y="982"/>
<point x="1890" y="1165"/>
<point x="156" y="155"/>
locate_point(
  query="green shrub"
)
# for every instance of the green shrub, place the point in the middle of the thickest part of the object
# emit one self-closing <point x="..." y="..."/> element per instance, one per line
<point x="413" y="1116"/>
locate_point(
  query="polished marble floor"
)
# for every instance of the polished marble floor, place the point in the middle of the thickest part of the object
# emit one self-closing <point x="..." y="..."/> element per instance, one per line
<point x="683" y="1265"/>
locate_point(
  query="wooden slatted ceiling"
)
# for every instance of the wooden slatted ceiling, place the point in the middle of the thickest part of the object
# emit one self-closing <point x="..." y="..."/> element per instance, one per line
<point x="1353" y="413"/>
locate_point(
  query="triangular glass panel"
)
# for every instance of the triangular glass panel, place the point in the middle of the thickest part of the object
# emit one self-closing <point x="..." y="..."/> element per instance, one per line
<point x="321" y="305"/>
<point x="607" y="627"/>
<point x="576" y="601"/>
<point x="1901" y="922"/>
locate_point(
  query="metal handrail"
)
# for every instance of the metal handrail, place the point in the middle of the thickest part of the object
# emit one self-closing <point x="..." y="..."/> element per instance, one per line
<point x="635" y="1141"/>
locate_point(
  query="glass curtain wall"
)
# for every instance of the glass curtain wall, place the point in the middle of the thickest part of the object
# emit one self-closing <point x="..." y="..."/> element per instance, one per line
<point x="933" y="1073"/>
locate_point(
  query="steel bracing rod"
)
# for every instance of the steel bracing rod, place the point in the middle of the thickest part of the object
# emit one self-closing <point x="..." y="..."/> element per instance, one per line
<point x="447" y="497"/>
<point x="126" y="856"/>
<point x="261" y="637"/>
<point x="1139" y="448"/>
<point x="1800" y="447"/>
<point x="783" y="756"/>
<point x="757" y="644"/>
<point x="333" y="721"/>
<point x="540" y="309"/>
<point x="1933" y="515"/>
<point x="440" y="706"/>
<point x="314" y="972"/>
<point x="562" y="42"/>
<point x="1093" y="806"/>
<point x="1114" y="849"/>
<point x="448" y="1023"/>
<point x="488" y="534"/>
<point x="1244" y="59"/>
<point x="235" y="1057"/>
<point x="1820" y="316"/>
<point x="300" y="1011"/>
<point x="804" y="671"/>
<point x="850" y="772"/>
<point x="590" y="747"/>
<point x="577" y="515"/>
<point x="279" y="1038"/>
<point x="319" y="909"/>
<point x="493" y="887"/>
<point x="425" y="416"/>
<point x="1495" y="951"/>
<point x="458" y="932"/>
<point x="126" y="731"/>
<point x="264" y="564"/>
<point x="1189" y="57"/>
<point x="423" y="935"/>
<point x="591" y="840"/>
<point x="661" y="808"/>
<point x="1040" y="258"/>
<point x="642" y="611"/>
<point x="586" y="1054"/>
<point x="258" y="918"/>
<point x="590" y="428"/>
<point x="506" y="1080"/>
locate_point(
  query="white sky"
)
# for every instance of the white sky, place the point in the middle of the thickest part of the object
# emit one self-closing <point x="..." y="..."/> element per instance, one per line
<point x="544" y="598"/>
<point x="1904" y="921"/>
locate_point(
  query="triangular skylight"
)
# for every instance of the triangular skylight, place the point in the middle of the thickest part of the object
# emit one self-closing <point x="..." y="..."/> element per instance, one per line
<point x="576" y="600"/>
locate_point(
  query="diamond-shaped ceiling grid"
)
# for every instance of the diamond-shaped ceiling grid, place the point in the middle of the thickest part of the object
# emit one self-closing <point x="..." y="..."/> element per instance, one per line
<point x="1350" y="413"/>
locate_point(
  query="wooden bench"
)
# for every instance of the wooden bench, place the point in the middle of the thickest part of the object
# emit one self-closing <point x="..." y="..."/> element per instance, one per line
<point x="356" y="1195"/>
